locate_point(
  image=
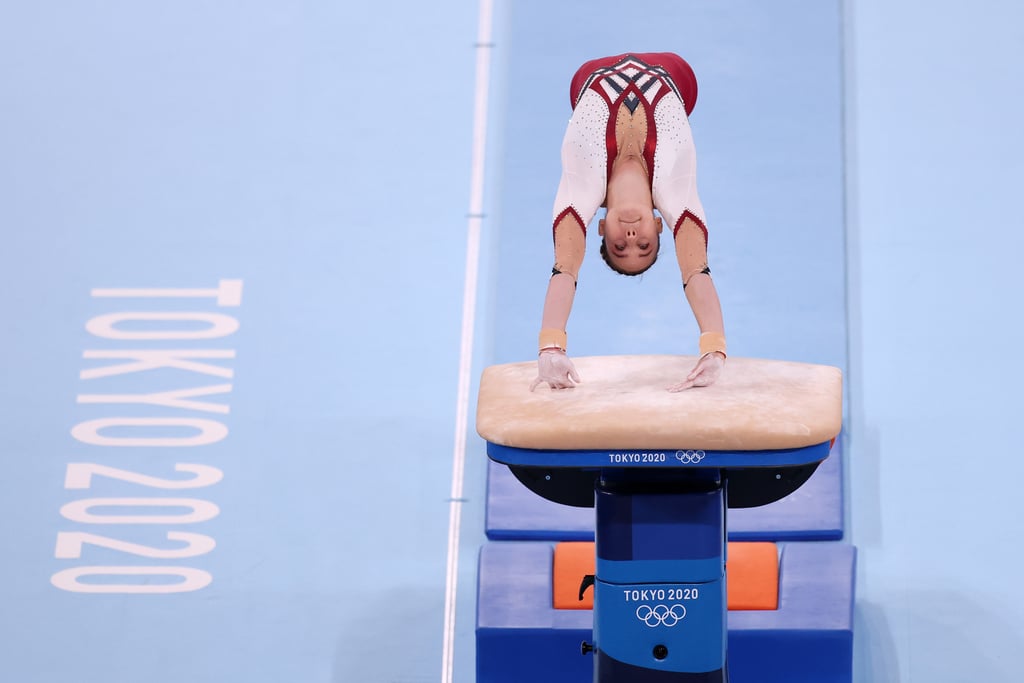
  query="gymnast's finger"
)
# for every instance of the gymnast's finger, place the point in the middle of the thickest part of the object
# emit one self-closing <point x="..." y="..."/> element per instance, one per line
<point x="682" y="386"/>
<point x="562" y="381"/>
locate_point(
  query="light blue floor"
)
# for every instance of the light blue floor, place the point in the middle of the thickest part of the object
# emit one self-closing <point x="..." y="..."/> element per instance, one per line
<point x="934" y="177"/>
<point x="860" y="164"/>
<point x="146" y="145"/>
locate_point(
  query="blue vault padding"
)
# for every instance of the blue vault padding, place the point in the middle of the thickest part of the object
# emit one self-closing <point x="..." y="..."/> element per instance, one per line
<point x="814" y="512"/>
<point x="809" y="639"/>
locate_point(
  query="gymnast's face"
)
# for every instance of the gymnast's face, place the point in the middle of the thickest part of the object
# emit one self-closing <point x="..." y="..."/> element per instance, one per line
<point x="631" y="237"/>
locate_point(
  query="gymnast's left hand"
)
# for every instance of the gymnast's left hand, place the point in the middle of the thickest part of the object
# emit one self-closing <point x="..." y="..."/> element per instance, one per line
<point x="555" y="368"/>
<point x="704" y="374"/>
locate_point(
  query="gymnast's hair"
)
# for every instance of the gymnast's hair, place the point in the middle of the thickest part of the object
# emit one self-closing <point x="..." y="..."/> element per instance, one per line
<point x="611" y="264"/>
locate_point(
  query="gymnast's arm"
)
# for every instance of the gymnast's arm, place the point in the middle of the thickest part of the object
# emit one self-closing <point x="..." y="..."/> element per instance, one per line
<point x="691" y="252"/>
<point x="553" y="364"/>
<point x="676" y="198"/>
<point x="581" y="190"/>
<point x="570" y="245"/>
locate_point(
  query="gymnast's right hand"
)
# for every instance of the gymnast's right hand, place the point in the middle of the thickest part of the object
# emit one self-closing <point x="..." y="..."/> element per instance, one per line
<point x="555" y="368"/>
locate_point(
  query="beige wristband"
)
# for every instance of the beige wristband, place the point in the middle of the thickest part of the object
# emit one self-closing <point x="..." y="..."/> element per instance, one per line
<point x="711" y="342"/>
<point x="551" y="338"/>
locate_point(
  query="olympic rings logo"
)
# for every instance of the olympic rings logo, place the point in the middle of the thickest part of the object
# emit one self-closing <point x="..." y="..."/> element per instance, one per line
<point x="660" y="615"/>
<point x="690" y="457"/>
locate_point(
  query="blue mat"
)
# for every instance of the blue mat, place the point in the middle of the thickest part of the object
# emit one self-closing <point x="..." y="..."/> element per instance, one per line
<point x="808" y="639"/>
<point x="814" y="512"/>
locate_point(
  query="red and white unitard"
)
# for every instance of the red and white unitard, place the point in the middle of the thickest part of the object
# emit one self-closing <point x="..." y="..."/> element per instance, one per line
<point x="666" y="86"/>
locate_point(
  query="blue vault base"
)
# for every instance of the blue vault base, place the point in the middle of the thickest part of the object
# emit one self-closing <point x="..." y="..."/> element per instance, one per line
<point x="814" y="512"/>
<point x="808" y="639"/>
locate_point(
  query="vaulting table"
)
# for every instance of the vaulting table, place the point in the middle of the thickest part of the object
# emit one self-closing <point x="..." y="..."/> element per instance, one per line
<point x="661" y="469"/>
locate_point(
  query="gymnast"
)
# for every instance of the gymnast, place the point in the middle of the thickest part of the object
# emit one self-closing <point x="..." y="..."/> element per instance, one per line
<point x="629" y="148"/>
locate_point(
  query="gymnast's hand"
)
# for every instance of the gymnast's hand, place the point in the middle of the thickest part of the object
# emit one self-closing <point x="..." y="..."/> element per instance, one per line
<point x="555" y="368"/>
<point x="704" y="374"/>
